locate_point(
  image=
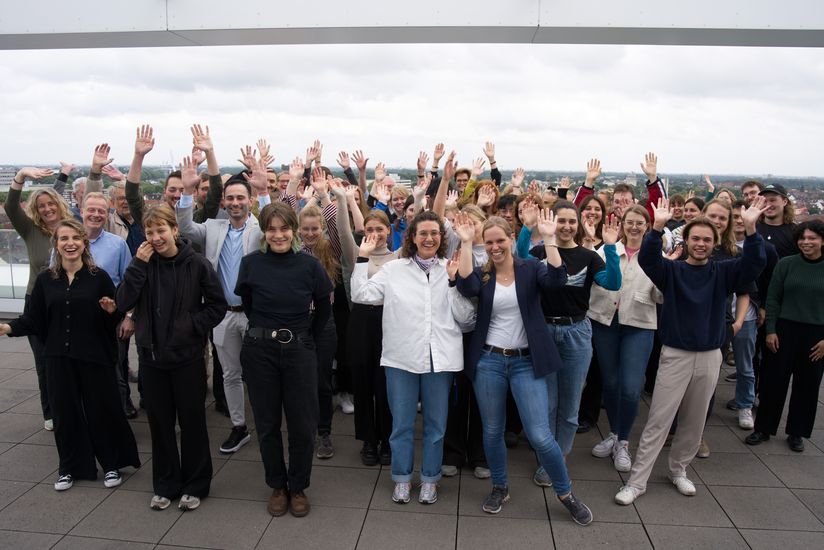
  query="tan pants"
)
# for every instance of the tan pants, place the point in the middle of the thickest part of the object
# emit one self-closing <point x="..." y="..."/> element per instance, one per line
<point x="686" y="379"/>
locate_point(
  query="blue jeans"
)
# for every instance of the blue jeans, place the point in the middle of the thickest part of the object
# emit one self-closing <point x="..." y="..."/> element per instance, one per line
<point x="574" y="343"/>
<point x="623" y="352"/>
<point x="402" y="390"/>
<point x="743" y="348"/>
<point x="493" y="374"/>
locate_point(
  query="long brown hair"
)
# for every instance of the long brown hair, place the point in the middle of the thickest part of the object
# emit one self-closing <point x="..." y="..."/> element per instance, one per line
<point x="638" y="210"/>
<point x="380" y="217"/>
<point x="31" y="208"/>
<point x="323" y="249"/>
<point x="56" y="266"/>
<point x="726" y="240"/>
<point x="409" y="248"/>
<point x="284" y="212"/>
<point x="493" y="208"/>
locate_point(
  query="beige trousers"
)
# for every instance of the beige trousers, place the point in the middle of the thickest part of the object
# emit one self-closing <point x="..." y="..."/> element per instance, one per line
<point x="685" y="383"/>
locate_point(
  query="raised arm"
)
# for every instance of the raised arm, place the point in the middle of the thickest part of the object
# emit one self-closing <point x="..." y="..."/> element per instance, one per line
<point x="610" y="277"/>
<point x="66" y="168"/>
<point x="650" y="259"/>
<point x="349" y="250"/>
<point x="419" y="192"/>
<point x="494" y="173"/>
<point x="183" y="210"/>
<point x="343" y="161"/>
<point x="144" y="142"/>
<point x="655" y="188"/>
<point x="18" y="218"/>
<point x="365" y="290"/>
<point x="439" y="202"/>
<point x="588" y="188"/>
<point x="100" y="159"/>
<point x="360" y="162"/>
<point x="357" y="214"/>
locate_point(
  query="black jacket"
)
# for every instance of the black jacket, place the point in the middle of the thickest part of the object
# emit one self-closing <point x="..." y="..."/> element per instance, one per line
<point x="176" y="302"/>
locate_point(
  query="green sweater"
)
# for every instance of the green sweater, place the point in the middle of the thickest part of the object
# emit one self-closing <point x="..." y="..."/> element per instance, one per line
<point x="796" y="292"/>
<point x="38" y="243"/>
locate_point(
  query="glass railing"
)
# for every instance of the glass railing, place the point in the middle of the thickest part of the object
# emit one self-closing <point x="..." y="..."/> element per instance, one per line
<point x="14" y="265"/>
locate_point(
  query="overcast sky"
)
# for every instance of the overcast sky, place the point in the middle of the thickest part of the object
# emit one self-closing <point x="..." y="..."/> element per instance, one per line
<point x="702" y="109"/>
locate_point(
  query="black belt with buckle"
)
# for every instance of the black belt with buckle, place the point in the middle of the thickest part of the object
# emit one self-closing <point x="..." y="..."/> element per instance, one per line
<point x="280" y="335"/>
<point x="235" y="309"/>
<point x="564" y="320"/>
<point x="507" y="352"/>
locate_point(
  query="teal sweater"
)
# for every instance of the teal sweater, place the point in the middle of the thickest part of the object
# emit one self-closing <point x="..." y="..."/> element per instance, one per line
<point x="796" y="292"/>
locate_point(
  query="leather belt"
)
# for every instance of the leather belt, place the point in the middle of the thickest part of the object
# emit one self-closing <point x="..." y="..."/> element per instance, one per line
<point x="564" y="320"/>
<point x="280" y="335"/>
<point x="507" y="352"/>
<point x="235" y="309"/>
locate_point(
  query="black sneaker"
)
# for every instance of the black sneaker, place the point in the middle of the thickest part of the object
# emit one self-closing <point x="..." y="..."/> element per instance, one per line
<point x="385" y="454"/>
<point x="796" y="443"/>
<point x="732" y="405"/>
<point x="495" y="500"/>
<point x="323" y="446"/>
<point x="237" y="439"/>
<point x="129" y="410"/>
<point x="369" y="454"/>
<point x="579" y="511"/>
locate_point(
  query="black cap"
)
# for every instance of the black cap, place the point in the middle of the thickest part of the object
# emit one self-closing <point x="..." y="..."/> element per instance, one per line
<point x="776" y="188"/>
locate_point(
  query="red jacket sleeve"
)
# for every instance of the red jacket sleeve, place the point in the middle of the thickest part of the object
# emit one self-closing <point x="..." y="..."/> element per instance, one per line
<point x="655" y="191"/>
<point x="582" y="193"/>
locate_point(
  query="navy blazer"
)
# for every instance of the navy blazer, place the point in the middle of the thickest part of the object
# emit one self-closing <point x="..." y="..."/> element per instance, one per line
<point x="531" y="277"/>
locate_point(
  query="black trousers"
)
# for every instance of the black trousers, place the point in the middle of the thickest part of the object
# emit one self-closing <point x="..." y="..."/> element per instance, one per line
<point x="122" y="371"/>
<point x="373" y="420"/>
<point x="325" y="343"/>
<point x="341" y="313"/>
<point x="89" y="421"/>
<point x="38" y="351"/>
<point x="463" y="439"/>
<point x="590" y="408"/>
<point x="178" y="393"/>
<point x="795" y="341"/>
<point x="283" y="378"/>
<point x="217" y="373"/>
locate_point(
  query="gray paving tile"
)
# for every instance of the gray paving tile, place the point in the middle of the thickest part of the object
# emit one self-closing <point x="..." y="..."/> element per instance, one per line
<point x="404" y="531"/>
<point x="494" y="533"/>
<point x="663" y="504"/>
<point x="342" y="424"/>
<point x="25" y="379"/>
<point x="41" y="437"/>
<point x="354" y="487"/>
<point x="347" y="453"/>
<point x="569" y="535"/>
<point x="141" y="479"/>
<point x="5" y="447"/>
<point x="11" y="397"/>
<point x="5" y="372"/>
<point x="673" y="537"/>
<point x="777" y="445"/>
<point x="582" y="465"/>
<point x="85" y="543"/>
<point x="325" y="527"/>
<point x="599" y="497"/>
<point x="765" y="508"/>
<point x="19" y="360"/>
<point x="206" y="526"/>
<point x="723" y="439"/>
<point x="22" y="539"/>
<point x="15" y="344"/>
<point x="813" y="499"/>
<point x="770" y="540"/>
<point x="735" y="469"/>
<point x="242" y="480"/>
<point x="449" y="489"/>
<point x="126" y="515"/>
<point x="66" y="509"/>
<point x="527" y="501"/>
<point x="11" y="490"/>
<point x="660" y="470"/>
<point x="30" y="406"/>
<point x="28" y="463"/>
<point x="15" y="428"/>
<point x="799" y="471"/>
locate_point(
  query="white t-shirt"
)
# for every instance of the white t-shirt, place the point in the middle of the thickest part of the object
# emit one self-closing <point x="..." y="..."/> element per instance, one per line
<point x="506" y="328"/>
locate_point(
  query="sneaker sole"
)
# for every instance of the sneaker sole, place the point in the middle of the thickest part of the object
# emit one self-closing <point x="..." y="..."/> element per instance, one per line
<point x="63" y="488"/>
<point x="111" y="485"/>
<point x="428" y="502"/>
<point x="400" y="500"/>
<point x="188" y="507"/>
<point x="160" y="506"/>
<point x="244" y="441"/>
<point x="588" y="521"/>
<point x="498" y="509"/>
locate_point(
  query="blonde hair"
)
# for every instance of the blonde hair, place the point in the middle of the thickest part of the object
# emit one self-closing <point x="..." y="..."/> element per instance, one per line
<point x="160" y="213"/>
<point x="62" y="207"/>
<point x="323" y="249"/>
<point x="493" y="221"/>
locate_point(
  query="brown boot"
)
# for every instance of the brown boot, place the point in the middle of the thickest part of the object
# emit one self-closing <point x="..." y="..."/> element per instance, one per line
<point x="299" y="504"/>
<point x="278" y="502"/>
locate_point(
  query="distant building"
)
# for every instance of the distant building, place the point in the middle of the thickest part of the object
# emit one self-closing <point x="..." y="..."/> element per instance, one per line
<point x="631" y="179"/>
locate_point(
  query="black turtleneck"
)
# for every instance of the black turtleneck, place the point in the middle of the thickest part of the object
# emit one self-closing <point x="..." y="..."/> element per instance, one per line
<point x="278" y="289"/>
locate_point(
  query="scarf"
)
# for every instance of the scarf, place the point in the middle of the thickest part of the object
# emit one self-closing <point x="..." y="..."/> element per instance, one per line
<point x="425" y="265"/>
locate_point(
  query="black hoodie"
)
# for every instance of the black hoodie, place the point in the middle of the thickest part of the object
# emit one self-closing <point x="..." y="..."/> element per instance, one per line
<point x="176" y="302"/>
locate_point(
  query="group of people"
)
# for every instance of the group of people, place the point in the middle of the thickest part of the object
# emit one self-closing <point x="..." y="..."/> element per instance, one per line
<point x="491" y="308"/>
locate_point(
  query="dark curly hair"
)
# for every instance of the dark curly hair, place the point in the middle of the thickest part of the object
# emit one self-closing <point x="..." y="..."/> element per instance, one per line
<point x="409" y="248"/>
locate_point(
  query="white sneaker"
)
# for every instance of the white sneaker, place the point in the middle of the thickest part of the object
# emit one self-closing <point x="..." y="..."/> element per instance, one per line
<point x="447" y="470"/>
<point x="429" y="493"/>
<point x="604" y="448"/>
<point x="620" y="457"/>
<point x="63" y="483"/>
<point x="48" y="425"/>
<point x="346" y="404"/>
<point x="745" y="421"/>
<point x="112" y="479"/>
<point x="188" y="502"/>
<point x="684" y="485"/>
<point x="159" y="503"/>
<point x="482" y="473"/>
<point x="401" y="492"/>
<point x="628" y="494"/>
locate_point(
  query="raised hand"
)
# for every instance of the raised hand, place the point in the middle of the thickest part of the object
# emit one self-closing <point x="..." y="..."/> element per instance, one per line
<point x="547" y="224"/>
<point x="360" y="160"/>
<point x="380" y="172"/>
<point x="676" y="252"/>
<point x="438" y="154"/>
<point x="337" y="189"/>
<point x="343" y="160"/>
<point x="107" y="304"/>
<point x="201" y="138"/>
<point x="144" y="251"/>
<point x="113" y="173"/>
<point x="296" y="169"/>
<point x="307" y="193"/>
<point x="197" y="156"/>
<point x="144" y="142"/>
<point x="319" y="181"/>
<point x="188" y="173"/>
<point x="351" y="191"/>
<point x="451" y="197"/>
<point x="263" y="148"/>
<point x="464" y="227"/>
<point x="589" y="231"/>
<point x="380" y="192"/>
<point x="423" y="162"/>
<point x="662" y="213"/>
<point x="751" y="215"/>
<point x="650" y="166"/>
<point x="529" y="214"/>
<point x="708" y="181"/>
<point x="517" y="178"/>
<point x="101" y="157"/>
<point x="312" y="153"/>
<point x="419" y="191"/>
<point x="32" y="173"/>
<point x="478" y="167"/>
<point x="449" y="168"/>
<point x="564" y="183"/>
<point x="368" y="245"/>
<point x="611" y="230"/>
<point x="593" y="171"/>
<point x="258" y="180"/>
<point x="247" y="157"/>
<point x="66" y="168"/>
<point x="534" y="187"/>
<point x="452" y="265"/>
<point x="318" y="146"/>
<point x="489" y="151"/>
<point x="486" y="196"/>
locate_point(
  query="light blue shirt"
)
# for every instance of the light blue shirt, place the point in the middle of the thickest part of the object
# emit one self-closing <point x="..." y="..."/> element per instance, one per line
<point x="228" y="263"/>
<point x="111" y="254"/>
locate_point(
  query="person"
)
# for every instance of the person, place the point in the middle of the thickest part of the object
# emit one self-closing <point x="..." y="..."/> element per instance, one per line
<point x="422" y="320"/>
<point x="177" y="299"/>
<point x="693" y="207"/>
<point x="750" y="190"/>
<point x="78" y="192"/>
<point x="623" y="324"/>
<point x="73" y="311"/>
<point x="693" y="289"/>
<point x="677" y="203"/>
<point x="35" y="225"/>
<point x="279" y="356"/>
<point x="779" y="220"/>
<point x="512" y="347"/>
<point x="795" y="340"/>
<point x="224" y="243"/>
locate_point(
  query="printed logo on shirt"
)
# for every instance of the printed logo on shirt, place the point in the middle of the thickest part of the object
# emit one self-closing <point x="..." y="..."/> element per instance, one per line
<point x="577" y="279"/>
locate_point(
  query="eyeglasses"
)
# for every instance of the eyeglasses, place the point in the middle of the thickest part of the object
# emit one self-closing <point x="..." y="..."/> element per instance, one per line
<point x="634" y="224"/>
